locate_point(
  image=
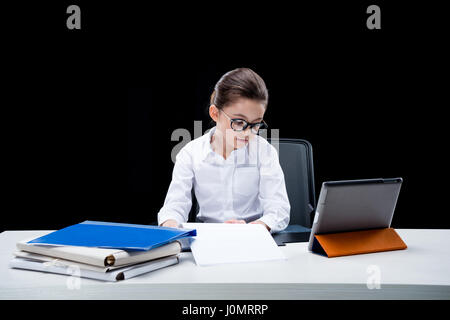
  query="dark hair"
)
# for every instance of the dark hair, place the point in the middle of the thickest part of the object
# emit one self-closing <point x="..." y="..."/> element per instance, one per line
<point x="239" y="83"/>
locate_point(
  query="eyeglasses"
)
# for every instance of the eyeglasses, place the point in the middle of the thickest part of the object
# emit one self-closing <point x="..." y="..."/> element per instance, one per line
<point x="241" y="124"/>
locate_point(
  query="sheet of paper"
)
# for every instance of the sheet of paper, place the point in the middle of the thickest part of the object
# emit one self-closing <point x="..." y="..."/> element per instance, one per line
<point x="218" y="243"/>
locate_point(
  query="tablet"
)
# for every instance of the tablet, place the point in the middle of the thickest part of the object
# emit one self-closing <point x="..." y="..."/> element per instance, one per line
<point x="355" y="205"/>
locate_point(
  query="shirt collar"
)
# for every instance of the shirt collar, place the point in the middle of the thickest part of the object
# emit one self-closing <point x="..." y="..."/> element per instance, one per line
<point x="206" y="148"/>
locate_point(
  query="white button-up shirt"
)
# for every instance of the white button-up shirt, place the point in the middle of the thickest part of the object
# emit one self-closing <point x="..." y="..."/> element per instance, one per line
<point x="248" y="185"/>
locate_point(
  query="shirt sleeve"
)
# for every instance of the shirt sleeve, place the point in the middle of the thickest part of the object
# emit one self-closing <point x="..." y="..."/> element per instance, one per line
<point x="272" y="192"/>
<point x="178" y="200"/>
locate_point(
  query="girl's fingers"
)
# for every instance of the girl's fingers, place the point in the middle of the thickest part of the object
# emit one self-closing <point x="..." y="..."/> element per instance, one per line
<point x="235" y="221"/>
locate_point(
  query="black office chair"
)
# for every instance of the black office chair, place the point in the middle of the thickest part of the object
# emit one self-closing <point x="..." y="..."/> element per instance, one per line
<point x="296" y="160"/>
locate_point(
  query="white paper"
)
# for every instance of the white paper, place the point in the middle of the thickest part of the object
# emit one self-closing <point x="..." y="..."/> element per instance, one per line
<point x="218" y="243"/>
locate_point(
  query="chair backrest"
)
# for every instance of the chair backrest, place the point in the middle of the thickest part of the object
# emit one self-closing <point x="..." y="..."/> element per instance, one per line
<point x="296" y="160"/>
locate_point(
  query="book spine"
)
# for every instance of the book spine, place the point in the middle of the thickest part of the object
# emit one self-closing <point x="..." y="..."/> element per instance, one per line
<point x="124" y="258"/>
<point x="95" y="261"/>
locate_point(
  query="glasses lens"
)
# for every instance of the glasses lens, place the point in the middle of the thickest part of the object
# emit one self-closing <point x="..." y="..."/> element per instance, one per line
<point x="256" y="128"/>
<point x="259" y="126"/>
<point x="238" y="125"/>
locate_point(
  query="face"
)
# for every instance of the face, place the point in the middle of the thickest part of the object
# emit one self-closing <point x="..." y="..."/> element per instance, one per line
<point x="249" y="110"/>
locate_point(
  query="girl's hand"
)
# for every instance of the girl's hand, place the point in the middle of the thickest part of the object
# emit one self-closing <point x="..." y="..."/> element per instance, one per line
<point x="260" y="222"/>
<point x="171" y="223"/>
<point x="235" y="221"/>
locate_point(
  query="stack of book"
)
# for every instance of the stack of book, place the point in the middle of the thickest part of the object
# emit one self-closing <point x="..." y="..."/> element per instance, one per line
<point x="102" y="250"/>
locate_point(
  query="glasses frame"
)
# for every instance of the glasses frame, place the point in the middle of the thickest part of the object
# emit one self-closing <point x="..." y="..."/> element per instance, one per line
<point x="263" y="124"/>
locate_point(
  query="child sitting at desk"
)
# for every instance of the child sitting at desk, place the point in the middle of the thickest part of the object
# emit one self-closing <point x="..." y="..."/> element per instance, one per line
<point x="235" y="173"/>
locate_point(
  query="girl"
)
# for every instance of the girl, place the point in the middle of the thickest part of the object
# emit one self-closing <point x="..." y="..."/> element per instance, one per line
<point x="235" y="173"/>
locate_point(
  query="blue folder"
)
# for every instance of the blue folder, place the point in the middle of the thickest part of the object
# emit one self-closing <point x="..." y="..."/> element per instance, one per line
<point x="114" y="235"/>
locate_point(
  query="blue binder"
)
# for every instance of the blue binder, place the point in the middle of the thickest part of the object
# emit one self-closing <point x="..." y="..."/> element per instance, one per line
<point x="114" y="235"/>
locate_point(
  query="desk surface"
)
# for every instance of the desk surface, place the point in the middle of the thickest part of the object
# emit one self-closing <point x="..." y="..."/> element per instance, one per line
<point x="419" y="272"/>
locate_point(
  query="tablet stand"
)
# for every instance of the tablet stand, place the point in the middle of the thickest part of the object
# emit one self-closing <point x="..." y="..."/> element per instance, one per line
<point x="357" y="242"/>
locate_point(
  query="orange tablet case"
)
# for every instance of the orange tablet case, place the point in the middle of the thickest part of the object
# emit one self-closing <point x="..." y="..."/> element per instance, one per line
<point x="357" y="242"/>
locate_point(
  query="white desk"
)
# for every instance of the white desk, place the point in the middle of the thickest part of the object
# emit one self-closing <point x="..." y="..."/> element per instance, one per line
<point x="420" y="272"/>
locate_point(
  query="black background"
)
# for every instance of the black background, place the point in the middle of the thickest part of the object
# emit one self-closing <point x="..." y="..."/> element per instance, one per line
<point x="88" y="114"/>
